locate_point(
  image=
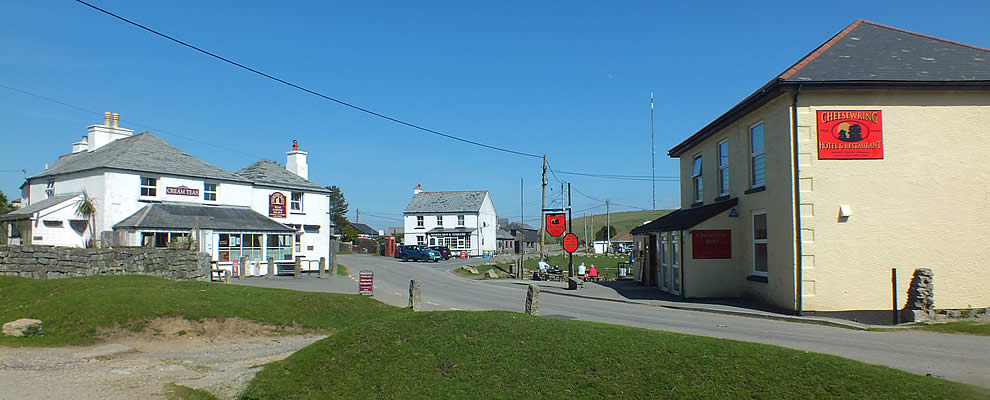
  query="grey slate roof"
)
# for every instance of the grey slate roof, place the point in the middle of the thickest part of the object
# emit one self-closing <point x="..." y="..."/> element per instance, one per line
<point x="467" y="201"/>
<point x="865" y="55"/>
<point x="503" y="234"/>
<point x="365" y="229"/>
<point x="268" y="173"/>
<point x="519" y="226"/>
<point x="185" y="216"/>
<point x="143" y="152"/>
<point x="866" y="51"/>
<point x="685" y="218"/>
<point x="26" y="211"/>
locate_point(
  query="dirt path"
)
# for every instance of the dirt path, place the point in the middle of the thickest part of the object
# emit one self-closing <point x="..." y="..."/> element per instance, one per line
<point x="140" y="366"/>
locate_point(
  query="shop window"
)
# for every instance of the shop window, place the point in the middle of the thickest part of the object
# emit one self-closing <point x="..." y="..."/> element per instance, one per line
<point x="760" y="259"/>
<point x="696" y="178"/>
<point x="50" y="189"/>
<point x="460" y="220"/>
<point x="440" y="221"/>
<point x="251" y="246"/>
<point x="279" y="246"/>
<point x="210" y="191"/>
<point x="460" y="243"/>
<point x="757" y="156"/>
<point x="296" y="202"/>
<point x="419" y="221"/>
<point x="723" y="168"/>
<point x="229" y="247"/>
<point x="149" y="187"/>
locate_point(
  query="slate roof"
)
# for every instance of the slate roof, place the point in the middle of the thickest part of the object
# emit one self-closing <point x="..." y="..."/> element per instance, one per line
<point x="503" y="234"/>
<point x="268" y="173"/>
<point x="519" y="226"/>
<point x="866" y="54"/>
<point x="26" y="211"/>
<point x="686" y="217"/>
<point x="185" y="216"/>
<point x="466" y="201"/>
<point x="143" y="152"/>
<point x="365" y="229"/>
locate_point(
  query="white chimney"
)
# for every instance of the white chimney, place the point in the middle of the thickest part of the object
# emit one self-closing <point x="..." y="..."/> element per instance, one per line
<point x="418" y="189"/>
<point x="81" y="145"/>
<point x="295" y="161"/>
<point x="100" y="135"/>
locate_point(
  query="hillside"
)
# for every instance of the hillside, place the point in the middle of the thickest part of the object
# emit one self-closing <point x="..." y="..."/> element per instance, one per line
<point x="622" y="221"/>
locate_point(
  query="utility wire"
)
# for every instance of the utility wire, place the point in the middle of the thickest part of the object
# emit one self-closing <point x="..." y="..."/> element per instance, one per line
<point x="312" y="92"/>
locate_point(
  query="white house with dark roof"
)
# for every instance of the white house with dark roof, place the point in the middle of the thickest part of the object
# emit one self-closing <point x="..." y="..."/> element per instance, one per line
<point x="464" y="221"/>
<point x="150" y="193"/>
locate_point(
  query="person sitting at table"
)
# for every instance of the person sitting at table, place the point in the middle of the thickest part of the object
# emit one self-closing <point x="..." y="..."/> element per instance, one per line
<point x="543" y="266"/>
<point x="592" y="273"/>
<point x="581" y="268"/>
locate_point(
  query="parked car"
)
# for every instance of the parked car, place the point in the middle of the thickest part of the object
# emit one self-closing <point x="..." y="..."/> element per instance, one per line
<point x="419" y="253"/>
<point x="398" y="250"/>
<point x="444" y="251"/>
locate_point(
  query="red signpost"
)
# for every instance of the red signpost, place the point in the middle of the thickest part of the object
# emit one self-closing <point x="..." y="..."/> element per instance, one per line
<point x="570" y="242"/>
<point x="556" y="223"/>
<point x="366" y="283"/>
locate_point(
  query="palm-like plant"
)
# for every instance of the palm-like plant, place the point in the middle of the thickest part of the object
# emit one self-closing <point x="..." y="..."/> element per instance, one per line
<point x="87" y="208"/>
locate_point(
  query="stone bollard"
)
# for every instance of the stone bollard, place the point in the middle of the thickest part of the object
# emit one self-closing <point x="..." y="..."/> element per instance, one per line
<point x="533" y="300"/>
<point x="414" y="295"/>
<point x="333" y="269"/>
<point x="242" y="268"/>
<point x="298" y="272"/>
<point x="226" y="276"/>
<point x="271" y="267"/>
<point x="323" y="267"/>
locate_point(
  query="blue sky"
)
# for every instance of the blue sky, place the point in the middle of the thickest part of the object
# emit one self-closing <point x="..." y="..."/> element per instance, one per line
<point x="569" y="79"/>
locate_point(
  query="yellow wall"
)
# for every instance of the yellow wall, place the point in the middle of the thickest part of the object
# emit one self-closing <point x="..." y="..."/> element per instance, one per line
<point x="777" y="199"/>
<point x="716" y="277"/>
<point x="926" y="204"/>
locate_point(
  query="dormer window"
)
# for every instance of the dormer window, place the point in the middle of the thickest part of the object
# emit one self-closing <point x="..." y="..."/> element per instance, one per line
<point x="149" y="187"/>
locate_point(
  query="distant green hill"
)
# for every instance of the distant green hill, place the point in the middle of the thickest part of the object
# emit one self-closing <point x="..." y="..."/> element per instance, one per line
<point x="622" y="221"/>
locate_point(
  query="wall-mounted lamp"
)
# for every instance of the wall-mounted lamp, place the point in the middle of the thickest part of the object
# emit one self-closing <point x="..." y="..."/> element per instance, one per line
<point x="845" y="211"/>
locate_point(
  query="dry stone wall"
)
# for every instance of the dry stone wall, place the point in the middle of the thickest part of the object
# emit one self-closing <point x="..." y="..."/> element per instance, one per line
<point x="45" y="262"/>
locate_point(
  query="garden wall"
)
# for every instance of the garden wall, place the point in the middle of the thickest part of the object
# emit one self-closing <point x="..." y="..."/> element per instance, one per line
<point x="46" y="262"/>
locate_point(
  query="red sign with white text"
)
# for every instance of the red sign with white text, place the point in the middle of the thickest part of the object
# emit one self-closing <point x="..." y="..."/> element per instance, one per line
<point x="850" y="135"/>
<point x="556" y="223"/>
<point x="570" y="242"/>
<point x="276" y="205"/>
<point x="716" y="244"/>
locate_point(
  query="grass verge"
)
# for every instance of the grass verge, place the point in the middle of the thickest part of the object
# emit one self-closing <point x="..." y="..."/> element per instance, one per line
<point x="961" y="327"/>
<point x="74" y="310"/>
<point x="341" y="270"/>
<point x="453" y="355"/>
<point x="179" y="392"/>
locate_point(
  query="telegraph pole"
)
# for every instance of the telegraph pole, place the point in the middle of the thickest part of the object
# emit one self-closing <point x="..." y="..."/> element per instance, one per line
<point x="608" y="230"/>
<point x="543" y="206"/>
<point x="522" y="242"/>
<point x="357" y="217"/>
<point x="585" y="233"/>
<point x="592" y="231"/>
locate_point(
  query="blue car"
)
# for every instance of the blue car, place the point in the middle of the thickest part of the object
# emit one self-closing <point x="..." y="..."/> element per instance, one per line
<point x="419" y="253"/>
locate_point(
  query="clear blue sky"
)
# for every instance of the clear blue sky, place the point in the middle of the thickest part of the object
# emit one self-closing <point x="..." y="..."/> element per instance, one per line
<point x="571" y="80"/>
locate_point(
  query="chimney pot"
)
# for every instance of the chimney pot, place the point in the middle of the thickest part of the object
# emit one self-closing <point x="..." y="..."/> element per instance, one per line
<point x="106" y="118"/>
<point x="295" y="145"/>
<point x="116" y="119"/>
<point x="418" y="189"/>
<point x="85" y="139"/>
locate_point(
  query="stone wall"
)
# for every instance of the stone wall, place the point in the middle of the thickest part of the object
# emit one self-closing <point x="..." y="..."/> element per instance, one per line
<point x="46" y="262"/>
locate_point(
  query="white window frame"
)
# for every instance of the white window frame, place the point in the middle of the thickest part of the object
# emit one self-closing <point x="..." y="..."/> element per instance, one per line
<point x="754" y="154"/>
<point x="420" y="240"/>
<point x="460" y="220"/>
<point x="419" y="221"/>
<point x="760" y="241"/>
<point x="723" y="168"/>
<point x="696" y="181"/>
<point x="296" y="204"/>
<point x="151" y="189"/>
<point x="207" y="192"/>
<point x="50" y="189"/>
<point x="440" y="221"/>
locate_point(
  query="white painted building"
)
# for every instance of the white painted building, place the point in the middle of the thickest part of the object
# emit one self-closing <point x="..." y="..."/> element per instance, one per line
<point x="462" y="221"/>
<point x="150" y="193"/>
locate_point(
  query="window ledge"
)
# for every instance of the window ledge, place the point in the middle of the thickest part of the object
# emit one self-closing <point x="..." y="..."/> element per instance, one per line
<point x="697" y="203"/>
<point x="722" y="198"/>
<point x="297" y="213"/>
<point x="755" y="190"/>
<point x="757" y="278"/>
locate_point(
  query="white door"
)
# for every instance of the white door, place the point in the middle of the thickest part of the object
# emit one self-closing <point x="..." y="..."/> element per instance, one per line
<point x="675" y="262"/>
<point x="664" y="280"/>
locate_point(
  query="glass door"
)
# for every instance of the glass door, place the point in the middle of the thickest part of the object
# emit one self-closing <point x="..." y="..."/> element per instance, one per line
<point x="664" y="261"/>
<point x="675" y="263"/>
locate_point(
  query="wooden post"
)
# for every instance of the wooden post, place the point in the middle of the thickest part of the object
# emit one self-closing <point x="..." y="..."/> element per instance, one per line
<point x="334" y="245"/>
<point x="226" y="276"/>
<point x="298" y="272"/>
<point x="323" y="267"/>
<point x="271" y="267"/>
<point x="242" y="268"/>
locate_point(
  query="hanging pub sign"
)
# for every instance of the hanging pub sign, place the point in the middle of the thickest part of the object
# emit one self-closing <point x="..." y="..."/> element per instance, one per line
<point x="276" y="205"/>
<point x="711" y="244"/>
<point x="556" y="223"/>
<point x="182" y="191"/>
<point x="570" y="242"/>
<point x="850" y="135"/>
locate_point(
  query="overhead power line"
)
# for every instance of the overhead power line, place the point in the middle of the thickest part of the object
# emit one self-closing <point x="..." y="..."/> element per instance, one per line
<point x="312" y="92"/>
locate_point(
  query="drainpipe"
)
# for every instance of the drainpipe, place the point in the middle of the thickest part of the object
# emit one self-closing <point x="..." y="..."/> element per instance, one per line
<point x="797" y="206"/>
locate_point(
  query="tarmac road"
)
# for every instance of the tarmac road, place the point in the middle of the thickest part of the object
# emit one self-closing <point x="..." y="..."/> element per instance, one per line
<point x="962" y="358"/>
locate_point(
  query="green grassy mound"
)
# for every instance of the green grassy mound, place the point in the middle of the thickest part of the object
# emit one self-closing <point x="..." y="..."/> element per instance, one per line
<point x="485" y="355"/>
<point x="73" y="310"/>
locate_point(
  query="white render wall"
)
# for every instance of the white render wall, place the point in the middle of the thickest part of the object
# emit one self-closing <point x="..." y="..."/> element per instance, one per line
<point x="316" y="211"/>
<point x="62" y="235"/>
<point x="485" y="218"/>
